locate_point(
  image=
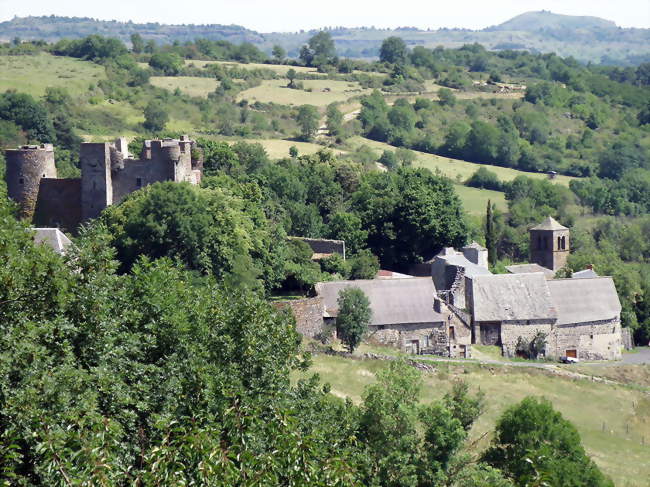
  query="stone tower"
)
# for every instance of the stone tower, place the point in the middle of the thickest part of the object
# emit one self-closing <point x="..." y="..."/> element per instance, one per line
<point x="549" y="244"/>
<point x="26" y="166"/>
<point x="96" y="180"/>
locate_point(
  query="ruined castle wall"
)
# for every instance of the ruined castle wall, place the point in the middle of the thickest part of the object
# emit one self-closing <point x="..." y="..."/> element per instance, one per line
<point x="593" y="340"/>
<point x="135" y="175"/>
<point x="96" y="181"/>
<point x="25" y="167"/>
<point x="59" y="204"/>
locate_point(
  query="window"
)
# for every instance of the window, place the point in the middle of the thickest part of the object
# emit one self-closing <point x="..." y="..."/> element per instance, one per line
<point x="21" y="181"/>
<point x="381" y="327"/>
<point x="452" y="333"/>
<point x="138" y="182"/>
<point x="563" y="243"/>
<point x="559" y="243"/>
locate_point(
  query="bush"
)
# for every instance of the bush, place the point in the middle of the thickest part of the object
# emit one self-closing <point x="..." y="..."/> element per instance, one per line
<point x="485" y="179"/>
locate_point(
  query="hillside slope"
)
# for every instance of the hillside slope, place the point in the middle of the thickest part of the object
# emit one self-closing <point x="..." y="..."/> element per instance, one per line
<point x="588" y="39"/>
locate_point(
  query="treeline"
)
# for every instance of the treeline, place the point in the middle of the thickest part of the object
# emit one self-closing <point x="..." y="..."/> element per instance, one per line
<point x="161" y="376"/>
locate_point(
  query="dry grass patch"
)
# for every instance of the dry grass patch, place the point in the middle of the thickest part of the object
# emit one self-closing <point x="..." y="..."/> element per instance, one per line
<point x="189" y="85"/>
<point x="277" y="68"/>
<point x="323" y="92"/>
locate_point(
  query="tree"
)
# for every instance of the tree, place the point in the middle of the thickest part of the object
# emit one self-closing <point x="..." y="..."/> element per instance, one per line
<point x="291" y="76"/>
<point x="405" y="157"/>
<point x="155" y="116"/>
<point x="307" y="120"/>
<point x="446" y="97"/>
<point x="320" y="50"/>
<point x="490" y="234"/>
<point x="137" y="43"/>
<point x="534" y="442"/>
<point x="347" y="227"/>
<point x="293" y="151"/>
<point x="334" y="120"/>
<point x="393" y="50"/>
<point x="364" y="265"/>
<point x="354" y="316"/>
<point x="169" y="63"/>
<point x="279" y="53"/>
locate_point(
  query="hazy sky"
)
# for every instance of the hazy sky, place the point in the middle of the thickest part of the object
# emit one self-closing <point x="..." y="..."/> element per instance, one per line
<point x="290" y="15"/>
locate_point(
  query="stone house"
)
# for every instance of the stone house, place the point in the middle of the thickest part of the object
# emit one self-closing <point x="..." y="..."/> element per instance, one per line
<point x="579" y="317"/>
<point x="405" y="314"/>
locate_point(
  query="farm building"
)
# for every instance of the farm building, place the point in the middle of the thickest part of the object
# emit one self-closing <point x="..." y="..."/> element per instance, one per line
<point x="405" y="314"/>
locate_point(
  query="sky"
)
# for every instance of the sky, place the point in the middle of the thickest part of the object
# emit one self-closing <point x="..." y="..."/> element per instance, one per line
<point x="291" y="15"/>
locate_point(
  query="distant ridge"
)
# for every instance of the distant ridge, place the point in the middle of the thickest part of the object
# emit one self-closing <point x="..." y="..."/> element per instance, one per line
<point x="545" y="20"/>
<point x="587" y="39"/>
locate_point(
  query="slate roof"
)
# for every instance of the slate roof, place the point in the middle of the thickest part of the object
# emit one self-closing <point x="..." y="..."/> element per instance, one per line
<point x="451" y="257"/>
<point x="581" y="300"/>
<point x="393" y="301"/>
<point x="549" y="224"/>
<point x="52" y="237"/>
<point x="584" y="274"/>
<point x="528" y="268"/>
<point x="507" y="297"/>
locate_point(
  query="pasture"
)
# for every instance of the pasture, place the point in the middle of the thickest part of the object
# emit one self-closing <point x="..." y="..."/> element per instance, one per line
<point x="188" y="85"/>
<point x="624" y="411"/>
<point x="323" y="92"/>
<point x="279" y="148"/>
<point x="32" y="74"/>
<point x="475" y="199"/>
<point x="276" y="68"/>
<point x="457" y="169"/>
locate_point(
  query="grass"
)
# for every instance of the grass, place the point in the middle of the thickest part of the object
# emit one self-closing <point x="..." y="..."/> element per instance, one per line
<point x="276" y="91"/>
<point x="475" y="199"/>
<point x="279" y="148"/>
<point x="625" y="412"/>
<point x="32" y="74"/>
<point x="277" y="68"/>
<point x="457" y="169"/>
<point x="188" y="85"/>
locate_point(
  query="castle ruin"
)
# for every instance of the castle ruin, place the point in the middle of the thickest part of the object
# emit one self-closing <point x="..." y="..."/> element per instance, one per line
<point x="108" y="175"/>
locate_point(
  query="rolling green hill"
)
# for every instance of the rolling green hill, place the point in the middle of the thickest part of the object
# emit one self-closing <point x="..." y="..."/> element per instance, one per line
<point x="588" y="39"/>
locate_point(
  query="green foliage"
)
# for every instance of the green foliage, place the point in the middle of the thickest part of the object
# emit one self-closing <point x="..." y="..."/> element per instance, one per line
<point x="363" y="265"/>
<point x="348" y="227"/>
<point x="155" y="116"/>
<point x="393" y="50"/>
<point x="485" y="179"/>
<point x="307" y="119"/>
<point x="168" y="63"/>
<point x="354" y="316"/>
<point x="491" y="236"/>
<point x="534" y="443"/>
<point x="446" y="97"/>
<point x="29" y="114"/>
<point x="319" y="51"/>
<point x="334" y="120"/>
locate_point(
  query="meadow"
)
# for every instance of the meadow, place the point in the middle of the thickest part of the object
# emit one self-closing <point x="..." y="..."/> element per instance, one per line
<point x="188" y="85"/>
<point x="33" y="74"/>
<point x="457" y="169"/>
<point x="611" y="419"/>
<point x="276" y="68"/>
<point x="319" y="93"/>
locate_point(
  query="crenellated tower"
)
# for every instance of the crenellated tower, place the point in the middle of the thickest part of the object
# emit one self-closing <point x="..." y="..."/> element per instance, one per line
<point x="26" y="166"/>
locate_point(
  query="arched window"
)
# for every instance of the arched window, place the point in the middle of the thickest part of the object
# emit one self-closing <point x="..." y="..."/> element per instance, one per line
<point x="563" y="243"/>
<point x="559" y="243"/>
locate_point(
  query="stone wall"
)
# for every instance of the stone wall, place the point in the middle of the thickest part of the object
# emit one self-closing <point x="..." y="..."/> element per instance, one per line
<point x="429" y="336"/>
<point x="527" y="330"/>
<point x="595" y="340"/>
<point x="25" y="167"/>
<point x="324" y="246"/>
<point x="59" y="204"/>
<point x="308" y="314"/>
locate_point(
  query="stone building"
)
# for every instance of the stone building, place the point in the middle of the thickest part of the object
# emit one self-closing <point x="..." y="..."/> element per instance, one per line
<point x="405" y="314"/>
<point x="108" y="175"/>
<point x="323" y="248"/>
<point x="549" y="244"/>
<point x="579" y="317"/>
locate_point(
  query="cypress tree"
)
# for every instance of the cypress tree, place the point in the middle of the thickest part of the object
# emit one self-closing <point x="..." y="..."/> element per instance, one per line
<point x="490" y="235"/>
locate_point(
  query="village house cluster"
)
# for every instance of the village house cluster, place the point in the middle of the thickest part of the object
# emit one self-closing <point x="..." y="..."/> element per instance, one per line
<point x="453" y="301"/>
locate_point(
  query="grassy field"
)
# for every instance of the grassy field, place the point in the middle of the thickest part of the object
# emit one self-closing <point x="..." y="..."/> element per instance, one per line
<point x="277" y="68"/>
<point x="611" y="419"/>
<point x="188" y="85"/>
<point x="475" y="199"/>
<point x="32" y="74"/>
<point x="456" y="169"/>
<point x="278" y="148"/>
<point x="276" y="91"/>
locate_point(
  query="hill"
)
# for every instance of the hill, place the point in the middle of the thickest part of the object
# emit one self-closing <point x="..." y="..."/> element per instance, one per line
<point x="545" y="20"/>
<point x="588" y="39"/>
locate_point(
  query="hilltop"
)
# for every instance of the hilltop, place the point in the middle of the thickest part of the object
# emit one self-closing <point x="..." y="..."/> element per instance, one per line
<point x="588" y="39"/>
<point x="545" y="20"/>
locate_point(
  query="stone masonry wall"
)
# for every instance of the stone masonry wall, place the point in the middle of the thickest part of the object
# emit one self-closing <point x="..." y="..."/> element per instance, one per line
<point x="595" y="340"/>
<point x="527" y="329"/>
<point x="59" y="204"/>
<point x="308" y="314"/>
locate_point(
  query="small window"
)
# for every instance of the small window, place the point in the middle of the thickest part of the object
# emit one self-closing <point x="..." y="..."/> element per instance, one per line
<point x="138" y="182"/>
<point x="43" y="174"/>
<point x="559" y="243"/>
<point x="591" y="336"/>
<point x="21" y="181"/>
